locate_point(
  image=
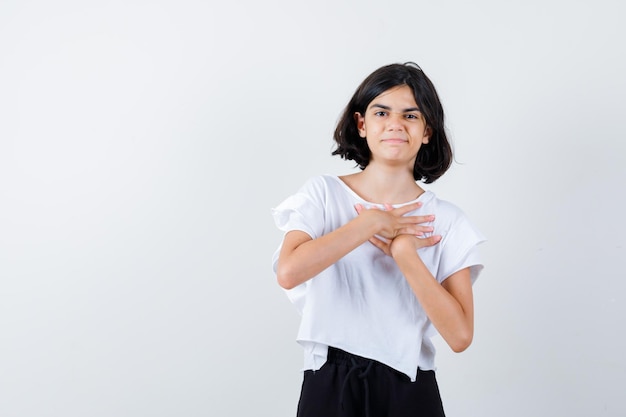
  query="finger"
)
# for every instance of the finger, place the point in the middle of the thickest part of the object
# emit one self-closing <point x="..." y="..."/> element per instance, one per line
<point x="417" y="219"/>
<point x="358" y="208"/>
<point x="416" y="230"/>
<point x="413" y="231"/>
<point x="380" y="244"/>
<point x="381" y="239"/>
<point x="408" y="208"/>
<point x="424" y="229"/>
<point x="429" y="241"/>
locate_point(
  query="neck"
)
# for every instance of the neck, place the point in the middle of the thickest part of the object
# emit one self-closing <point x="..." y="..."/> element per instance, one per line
<point x="384" y="184"/>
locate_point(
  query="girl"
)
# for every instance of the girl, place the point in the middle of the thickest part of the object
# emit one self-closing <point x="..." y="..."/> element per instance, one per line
<point x="375" y="264"/>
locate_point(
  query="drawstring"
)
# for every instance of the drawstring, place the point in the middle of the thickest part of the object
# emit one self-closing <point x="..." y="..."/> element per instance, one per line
<point x="363" y="377"/>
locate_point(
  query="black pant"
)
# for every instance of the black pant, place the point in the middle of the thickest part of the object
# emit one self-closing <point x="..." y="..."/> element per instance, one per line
<point x="352" y="386"/>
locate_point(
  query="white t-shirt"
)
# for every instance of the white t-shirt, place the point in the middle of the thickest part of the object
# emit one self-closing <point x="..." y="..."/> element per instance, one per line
<point x="362" y="303"/>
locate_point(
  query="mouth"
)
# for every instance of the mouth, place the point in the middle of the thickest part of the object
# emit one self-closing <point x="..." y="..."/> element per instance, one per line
<point x="394" y="140"/>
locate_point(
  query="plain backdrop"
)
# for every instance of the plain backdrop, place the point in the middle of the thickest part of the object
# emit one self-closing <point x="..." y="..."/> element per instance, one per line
<point x="143" y="144"/>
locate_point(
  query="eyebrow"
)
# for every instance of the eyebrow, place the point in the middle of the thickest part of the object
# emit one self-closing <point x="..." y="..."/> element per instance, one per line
<point x="407" y="110"/>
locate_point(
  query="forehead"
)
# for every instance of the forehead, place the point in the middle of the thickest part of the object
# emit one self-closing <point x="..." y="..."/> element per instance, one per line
<point x="397" y="98"/>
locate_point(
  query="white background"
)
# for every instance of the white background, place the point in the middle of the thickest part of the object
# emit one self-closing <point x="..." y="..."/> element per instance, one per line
<point x="143" y="143"/>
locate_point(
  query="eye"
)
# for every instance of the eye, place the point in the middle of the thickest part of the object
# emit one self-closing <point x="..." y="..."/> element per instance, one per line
<point x="380" y="113"/>
<point x="412" y="116"/>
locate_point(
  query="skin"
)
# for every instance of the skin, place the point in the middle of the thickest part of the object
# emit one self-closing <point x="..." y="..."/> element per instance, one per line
<point x="395" y="130"/>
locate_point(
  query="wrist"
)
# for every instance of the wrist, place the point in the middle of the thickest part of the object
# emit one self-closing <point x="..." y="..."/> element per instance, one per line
<point x="366" y="224"/>
<point x="402" y="245"/>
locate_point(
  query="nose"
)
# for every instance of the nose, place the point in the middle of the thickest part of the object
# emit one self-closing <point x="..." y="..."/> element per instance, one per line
<point x="395" y="121"/>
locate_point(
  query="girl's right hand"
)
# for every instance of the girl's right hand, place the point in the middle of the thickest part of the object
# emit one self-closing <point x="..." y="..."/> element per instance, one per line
<point x="394" y="223"/>
<point x="391" y="222"/>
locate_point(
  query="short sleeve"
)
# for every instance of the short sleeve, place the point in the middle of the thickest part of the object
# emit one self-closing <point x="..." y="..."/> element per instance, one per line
<point x="460" y="249"/>
<point x="299" y="212"/>
<point x="303" y="210"/>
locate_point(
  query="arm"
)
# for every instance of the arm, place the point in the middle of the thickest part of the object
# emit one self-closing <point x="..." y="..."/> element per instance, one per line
<point x="301" y="257"/>
<point x="450" y="305"/>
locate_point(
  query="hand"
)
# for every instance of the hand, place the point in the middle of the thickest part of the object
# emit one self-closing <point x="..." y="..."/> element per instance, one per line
<point x="395" y="246"/>
<point x="410" y="244"/>
<point x="392" y="223"/>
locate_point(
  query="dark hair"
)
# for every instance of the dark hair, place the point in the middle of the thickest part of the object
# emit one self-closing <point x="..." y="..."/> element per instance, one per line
<point x="433" y="158"/>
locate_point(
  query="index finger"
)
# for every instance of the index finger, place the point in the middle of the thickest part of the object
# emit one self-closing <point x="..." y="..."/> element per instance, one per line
<point x="408" y="208"/>
<point x="417" y="219"/>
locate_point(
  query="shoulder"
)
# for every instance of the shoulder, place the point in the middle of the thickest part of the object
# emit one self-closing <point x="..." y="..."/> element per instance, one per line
<point x="321" y="181"/>
<point x="444" y="210"/>
<point x="304" y="210"/>
<point x="319" y="185"/>
<point x="451" y="221"/>
<point x="449" y="216"/>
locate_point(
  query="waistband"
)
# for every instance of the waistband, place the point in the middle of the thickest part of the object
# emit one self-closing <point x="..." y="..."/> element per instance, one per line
<point x="341" y="357"/>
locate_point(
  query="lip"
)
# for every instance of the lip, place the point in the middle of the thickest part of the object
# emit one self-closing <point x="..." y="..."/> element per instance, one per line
<point x="394" y="140"/>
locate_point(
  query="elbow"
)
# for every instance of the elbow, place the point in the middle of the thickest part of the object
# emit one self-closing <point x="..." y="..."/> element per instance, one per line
<point x="285" y="282"/>
<point x="286" y="277"/>
<point x="461" y="343"/>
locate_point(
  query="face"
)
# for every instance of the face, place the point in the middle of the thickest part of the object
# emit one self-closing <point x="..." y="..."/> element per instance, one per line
<point x="393" y="126"/>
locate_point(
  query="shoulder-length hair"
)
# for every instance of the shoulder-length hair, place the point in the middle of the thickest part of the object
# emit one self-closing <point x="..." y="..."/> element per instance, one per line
<point x="435" y="157"/>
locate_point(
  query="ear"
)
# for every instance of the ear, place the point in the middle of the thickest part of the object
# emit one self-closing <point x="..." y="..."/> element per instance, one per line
<point x="360" y="123"/>
<point x="427" y="133"/>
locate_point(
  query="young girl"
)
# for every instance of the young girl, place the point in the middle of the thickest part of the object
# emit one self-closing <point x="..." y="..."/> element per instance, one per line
<point x="375" y="264"/>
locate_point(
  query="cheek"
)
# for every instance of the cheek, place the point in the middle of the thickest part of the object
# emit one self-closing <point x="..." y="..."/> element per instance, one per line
<point x="424" y="134"/>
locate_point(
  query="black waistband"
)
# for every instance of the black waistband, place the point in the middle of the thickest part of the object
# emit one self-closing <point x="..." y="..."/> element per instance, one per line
<point x="342" y="357"/>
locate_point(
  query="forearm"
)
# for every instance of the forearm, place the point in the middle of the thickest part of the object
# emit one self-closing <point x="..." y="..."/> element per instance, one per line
<point x="447" y="313"/>
<point x="300" y="261"/>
